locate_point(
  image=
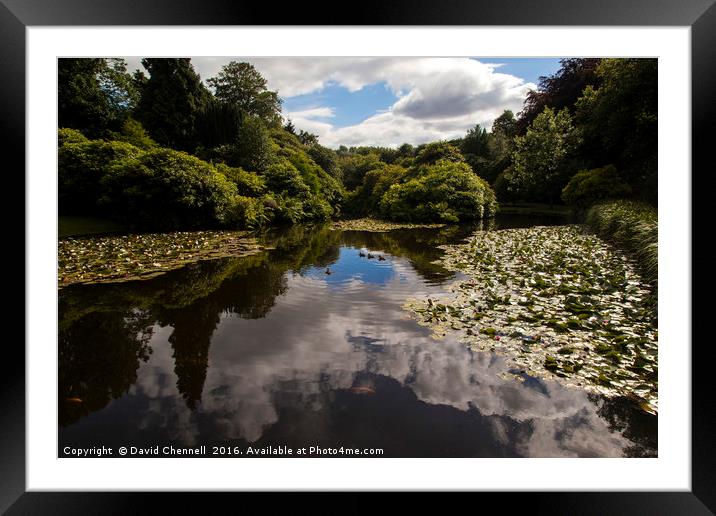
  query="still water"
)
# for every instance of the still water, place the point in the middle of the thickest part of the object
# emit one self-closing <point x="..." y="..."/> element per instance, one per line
<point x="270" y="350"/>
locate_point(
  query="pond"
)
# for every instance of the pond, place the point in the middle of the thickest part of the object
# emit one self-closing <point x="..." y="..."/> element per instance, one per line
<point x="308" y="344"/>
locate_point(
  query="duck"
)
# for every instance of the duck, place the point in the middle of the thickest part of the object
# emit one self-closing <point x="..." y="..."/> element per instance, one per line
<point x="328" y="271"/>
<point x="370" y="256"/>
<point x="380" y="258"/>
<point x="361" y="254"/>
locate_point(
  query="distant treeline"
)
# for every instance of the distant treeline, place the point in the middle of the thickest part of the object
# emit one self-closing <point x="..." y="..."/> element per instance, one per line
<point x="163" y="151"/>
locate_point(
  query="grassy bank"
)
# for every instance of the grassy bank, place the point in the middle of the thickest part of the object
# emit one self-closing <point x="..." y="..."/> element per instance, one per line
<point x="633" y="226"/>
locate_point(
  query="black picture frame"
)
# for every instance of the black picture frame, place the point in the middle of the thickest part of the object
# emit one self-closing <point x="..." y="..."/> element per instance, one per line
<point x="700" y="15"/>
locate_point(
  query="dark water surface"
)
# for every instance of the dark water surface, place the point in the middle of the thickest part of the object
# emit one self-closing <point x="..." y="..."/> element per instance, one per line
<point x="269" y="350"/>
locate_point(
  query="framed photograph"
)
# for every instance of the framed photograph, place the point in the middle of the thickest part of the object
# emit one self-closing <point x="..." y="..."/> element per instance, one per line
<point x="440" y="248"/>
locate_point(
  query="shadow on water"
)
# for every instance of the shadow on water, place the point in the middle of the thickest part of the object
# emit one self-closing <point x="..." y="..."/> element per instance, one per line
<point x="307" y="344"/>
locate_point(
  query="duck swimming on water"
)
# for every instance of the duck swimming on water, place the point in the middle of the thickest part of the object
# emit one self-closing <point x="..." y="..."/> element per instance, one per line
<point x="328" y="271"/>
<point x="361" y="254"/>
<point x="380" y="258"/>
<point x="370" y="256"/>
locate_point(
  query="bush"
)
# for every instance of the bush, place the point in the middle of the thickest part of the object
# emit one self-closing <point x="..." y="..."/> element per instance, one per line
<point x="81" y="168"/>
<point x="284" y="178"/>
<point x="590" y="186"/>
<point x="247" y="184"/>
<point x="166" y="189"/>
<point x="247" y="212"/>
<point x="443" y="192"/>
<point x="366" y="198"/>
<point x="67" y="135"/>
<point x="132" y="132"/>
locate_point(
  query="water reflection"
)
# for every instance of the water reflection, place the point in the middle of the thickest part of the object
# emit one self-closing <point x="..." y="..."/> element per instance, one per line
<point x="269" y="349"/>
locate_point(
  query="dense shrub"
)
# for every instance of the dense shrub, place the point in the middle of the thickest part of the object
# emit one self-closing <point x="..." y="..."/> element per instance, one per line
<point x="284" y="178"/>
<point x="247" y="212"/>
<point x="365" y="200"/>
<point x="132" y="132"/>
<point x="326" y="159"/>
<point x="589" y="186"/>
<point x="166" y="189"/>
<point x="247" y="184"/>
<point x="67" y="135"/>
<point x="81" y="167"/>
<point x="446" y="191"/>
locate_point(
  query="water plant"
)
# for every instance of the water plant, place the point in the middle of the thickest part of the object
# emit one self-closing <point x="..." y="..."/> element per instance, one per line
<point x="558" y="302"/>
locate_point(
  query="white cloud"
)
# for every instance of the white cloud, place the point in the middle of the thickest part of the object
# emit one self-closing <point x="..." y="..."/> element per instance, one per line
<point x="438" y="98"/>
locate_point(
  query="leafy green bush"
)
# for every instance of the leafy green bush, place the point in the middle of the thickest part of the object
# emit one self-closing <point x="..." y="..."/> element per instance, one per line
<point x="81" y="167"/>
<point x="67" y="135"/>
<point x="167" y="189"/>
<point x="589" y="186"/>
<point x="247" y="212"/>
<point x="366" y="198"/>
<point x="446" y="191"/>
<point x="284" y="178"/>
<point x="247" y="184"/>
<point x="132" y="132"/>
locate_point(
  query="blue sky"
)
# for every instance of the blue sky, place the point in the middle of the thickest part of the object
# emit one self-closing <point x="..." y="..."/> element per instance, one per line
<point x="388" y="101"/>
<point x="351" y="108"/>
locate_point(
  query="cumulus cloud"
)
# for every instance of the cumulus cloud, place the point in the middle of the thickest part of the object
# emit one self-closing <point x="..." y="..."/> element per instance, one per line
<point x="438" y="98"/>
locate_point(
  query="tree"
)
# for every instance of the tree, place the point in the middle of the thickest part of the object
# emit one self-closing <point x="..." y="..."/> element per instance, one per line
<point x="619" y="119"/>
<point x="433" y="152"/>
<point x="560" y="90"/>
<point x="94" y="95"/>
<point x="242" y="85"/>
<point x="307" y="138"/>
<point x="505" y="124"/>
<point x="541" y="159"/>
<point x="170" y="101"/>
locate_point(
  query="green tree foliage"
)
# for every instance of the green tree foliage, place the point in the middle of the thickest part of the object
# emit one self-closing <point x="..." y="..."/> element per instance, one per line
<point x="475" y="148"/>
<point x="165" y="189"/>
<point x="252" y="149"/>
<point x="218" y="123"/>
<point x="504" y="186"/>
<point x="542" y="158"/>
<point x="170" y="102"/>
<point x="355" y="166"/>
<point x="365" y="200"/>
<point x="94" y="95"/>
<point x="307" y="138"/>
<point x="558" y="91"/>
<point x="241" y="85"/>
<point x="81" y="168"/>
<point x="446" y="191"/>
<point x="67" y="135"/>
<point x="590" y="186"/>
<point x="434" y="152"/>
<point x="326" y="159"/>
<point x="248" y="184"/>
<point x="619" y="119"/>
<point x="133" y="133"/>
<point x="505" y="124"/>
